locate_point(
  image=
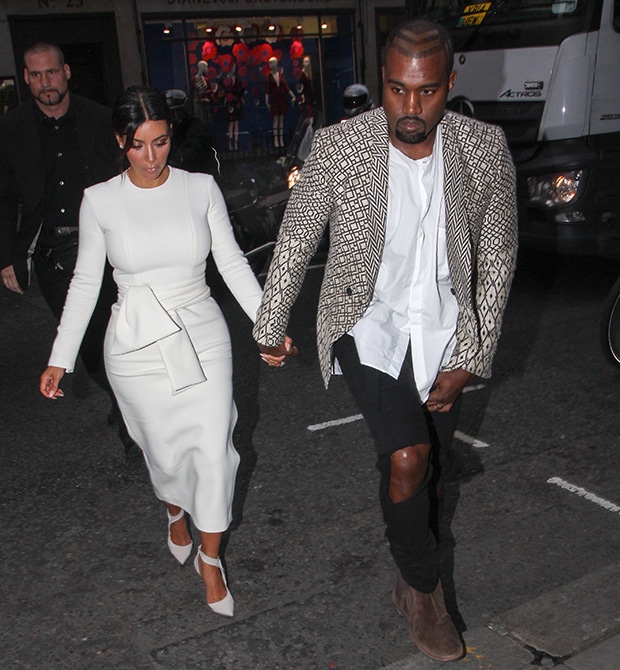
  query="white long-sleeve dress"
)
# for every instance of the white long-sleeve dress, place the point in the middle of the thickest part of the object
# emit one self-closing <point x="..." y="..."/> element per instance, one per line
<point x="167" y="347"/>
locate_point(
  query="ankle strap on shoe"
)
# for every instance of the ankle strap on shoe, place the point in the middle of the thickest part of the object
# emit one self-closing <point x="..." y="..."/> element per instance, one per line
<point x="208" y="559"/>
<point x="175" y="518"/>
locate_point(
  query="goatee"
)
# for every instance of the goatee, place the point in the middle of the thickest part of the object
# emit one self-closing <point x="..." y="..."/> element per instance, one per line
<point x="411" y="136"/>
<point x="51" y="97"/>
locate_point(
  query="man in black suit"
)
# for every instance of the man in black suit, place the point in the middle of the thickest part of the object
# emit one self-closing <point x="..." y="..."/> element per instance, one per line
<point x="54" y="145"/>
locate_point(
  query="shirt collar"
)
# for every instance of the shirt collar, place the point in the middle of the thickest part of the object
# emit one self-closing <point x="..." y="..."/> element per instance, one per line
<point x="68" y="117"/>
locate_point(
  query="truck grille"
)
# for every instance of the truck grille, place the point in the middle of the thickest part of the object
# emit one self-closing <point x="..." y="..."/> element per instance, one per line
<point x="520" y="120"/>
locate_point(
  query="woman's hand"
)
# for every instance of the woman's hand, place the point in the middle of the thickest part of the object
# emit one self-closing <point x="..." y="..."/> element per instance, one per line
<point x="49" y="382"/>
<point x="275" y="356"/>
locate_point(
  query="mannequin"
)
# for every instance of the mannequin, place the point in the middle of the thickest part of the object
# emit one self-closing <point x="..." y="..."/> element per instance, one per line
<point x="204" y="93"/>
<point x="233" y="90"/>
<point x="276" y="89"/>
<point x="305" y="90"/>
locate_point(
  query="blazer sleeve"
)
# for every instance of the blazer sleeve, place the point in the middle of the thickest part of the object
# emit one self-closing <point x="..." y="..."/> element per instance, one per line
<point x="495" y="260"/>
<point x="83" y="290"/>
<point x="303" y="225"/>
<point x="9" y="203"/>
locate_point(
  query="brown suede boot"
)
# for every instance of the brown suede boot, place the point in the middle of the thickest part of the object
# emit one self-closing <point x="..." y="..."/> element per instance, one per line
<point x="430" y="626"/>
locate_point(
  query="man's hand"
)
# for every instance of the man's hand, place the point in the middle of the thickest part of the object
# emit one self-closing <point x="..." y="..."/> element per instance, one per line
<point x="10" y="280"/>
<point x="275" y="356"/>
<point x="446" y="389"/>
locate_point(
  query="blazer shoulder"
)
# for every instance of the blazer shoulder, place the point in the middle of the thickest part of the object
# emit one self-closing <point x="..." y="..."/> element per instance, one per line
<point x="86" y="107"/>
<point x="366" y="130"/>
<point x="458" y="127"/>
<point x="17" y="116"/>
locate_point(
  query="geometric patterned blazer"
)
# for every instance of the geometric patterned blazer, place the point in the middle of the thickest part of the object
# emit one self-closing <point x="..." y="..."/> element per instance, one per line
<point x="344" y="183"/>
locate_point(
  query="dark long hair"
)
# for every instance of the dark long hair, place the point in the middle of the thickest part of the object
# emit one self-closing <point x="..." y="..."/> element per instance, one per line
<point x="133" y="107"/>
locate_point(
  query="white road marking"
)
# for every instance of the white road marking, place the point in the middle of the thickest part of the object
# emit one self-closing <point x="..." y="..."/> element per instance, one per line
<point x="468" y="439"/>
<point x="592" y="497"/>
<point x="476" y="443"/>
<point x="335" y="422"/>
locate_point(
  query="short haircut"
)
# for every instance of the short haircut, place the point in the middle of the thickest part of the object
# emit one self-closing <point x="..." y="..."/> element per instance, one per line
<point x="418" y="38"/>
<point x="43" y="47"/>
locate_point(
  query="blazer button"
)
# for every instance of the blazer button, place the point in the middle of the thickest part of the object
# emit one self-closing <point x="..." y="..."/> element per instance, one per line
<point x="349" y="290"/>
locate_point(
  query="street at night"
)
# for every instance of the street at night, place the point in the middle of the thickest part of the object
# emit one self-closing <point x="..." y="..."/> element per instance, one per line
<point x="530" y="531"/>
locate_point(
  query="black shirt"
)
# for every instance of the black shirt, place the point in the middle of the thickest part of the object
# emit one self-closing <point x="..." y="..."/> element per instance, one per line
<point x="65" y="178"/>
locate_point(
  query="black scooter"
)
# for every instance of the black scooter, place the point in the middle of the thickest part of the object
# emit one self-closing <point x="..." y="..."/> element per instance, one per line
<point x="255" y="219"/>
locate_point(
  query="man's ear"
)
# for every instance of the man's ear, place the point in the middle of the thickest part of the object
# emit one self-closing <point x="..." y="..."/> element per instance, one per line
<point x="67" y="70"/>
<point x="451" y="79"/>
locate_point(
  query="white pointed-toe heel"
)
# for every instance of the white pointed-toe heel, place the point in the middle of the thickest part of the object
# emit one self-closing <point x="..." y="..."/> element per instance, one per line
<point x="180" y="552"/>
<point x="225" y="606"/>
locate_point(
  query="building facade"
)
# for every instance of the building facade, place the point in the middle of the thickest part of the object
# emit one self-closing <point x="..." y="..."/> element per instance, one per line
<point x="220" y="52"/>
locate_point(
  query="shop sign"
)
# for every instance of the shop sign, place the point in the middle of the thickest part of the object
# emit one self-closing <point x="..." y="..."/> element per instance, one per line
<point x="34" y="7"/>
<point x="160" y="5"/>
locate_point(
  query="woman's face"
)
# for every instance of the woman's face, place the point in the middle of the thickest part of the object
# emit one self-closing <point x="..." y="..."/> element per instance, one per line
<point x="148" y="154"/>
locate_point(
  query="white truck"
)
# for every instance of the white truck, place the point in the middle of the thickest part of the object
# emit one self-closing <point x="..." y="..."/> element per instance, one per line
<point x="548" y="72"/>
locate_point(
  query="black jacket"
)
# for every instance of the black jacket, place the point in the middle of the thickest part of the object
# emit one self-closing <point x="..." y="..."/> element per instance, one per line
<point x="22" y="172"/>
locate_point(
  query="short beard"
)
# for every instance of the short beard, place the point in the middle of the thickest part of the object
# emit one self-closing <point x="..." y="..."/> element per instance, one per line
<point x="48" y="100"/>
<point x="411" y="138"/>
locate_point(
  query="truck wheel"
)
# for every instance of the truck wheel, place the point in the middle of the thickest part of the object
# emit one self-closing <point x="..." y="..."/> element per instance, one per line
<point x="610" y="325"/>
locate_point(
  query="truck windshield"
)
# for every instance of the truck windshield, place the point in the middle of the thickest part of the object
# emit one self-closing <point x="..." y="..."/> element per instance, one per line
<point x="512" y="23"/>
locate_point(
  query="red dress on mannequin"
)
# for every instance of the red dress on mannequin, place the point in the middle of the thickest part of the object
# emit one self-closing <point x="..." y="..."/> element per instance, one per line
<point x="277" y="92"/>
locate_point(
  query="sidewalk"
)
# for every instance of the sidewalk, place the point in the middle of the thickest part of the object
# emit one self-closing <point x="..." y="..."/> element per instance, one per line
<point x="576" y="627"/>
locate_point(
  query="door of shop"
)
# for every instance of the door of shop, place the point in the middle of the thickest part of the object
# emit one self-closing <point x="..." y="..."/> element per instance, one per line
<point x="90" y="46"/>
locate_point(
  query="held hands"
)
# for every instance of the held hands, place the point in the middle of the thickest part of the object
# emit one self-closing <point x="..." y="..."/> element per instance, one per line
<point x="49" y="382"/>
<point x="275" y="356"/>
<point x="446" y="389"/>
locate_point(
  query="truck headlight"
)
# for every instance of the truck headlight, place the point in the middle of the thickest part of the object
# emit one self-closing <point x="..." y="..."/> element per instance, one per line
<point x="551" y="190"/>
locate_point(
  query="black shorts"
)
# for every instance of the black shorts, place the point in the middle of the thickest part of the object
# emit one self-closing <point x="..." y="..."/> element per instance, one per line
<point x="392" y="408"/>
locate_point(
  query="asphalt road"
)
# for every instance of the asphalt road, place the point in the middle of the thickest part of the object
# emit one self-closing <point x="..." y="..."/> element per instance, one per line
<point x="86" y="579"/>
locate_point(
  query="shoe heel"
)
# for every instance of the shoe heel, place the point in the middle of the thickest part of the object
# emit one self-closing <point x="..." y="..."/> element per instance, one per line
<point x="225" y="606"/>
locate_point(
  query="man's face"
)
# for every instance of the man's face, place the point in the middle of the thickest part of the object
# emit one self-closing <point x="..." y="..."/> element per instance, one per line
<point x="47" y="78"/>
<point x="415" y="91"/>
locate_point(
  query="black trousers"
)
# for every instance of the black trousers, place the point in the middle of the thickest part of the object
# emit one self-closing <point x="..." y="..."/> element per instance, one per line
<point x="54" y="287"/>
<point x="397" y="419"/>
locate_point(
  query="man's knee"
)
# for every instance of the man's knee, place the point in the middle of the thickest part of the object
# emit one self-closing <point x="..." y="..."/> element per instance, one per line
<point x="408" y="468"/>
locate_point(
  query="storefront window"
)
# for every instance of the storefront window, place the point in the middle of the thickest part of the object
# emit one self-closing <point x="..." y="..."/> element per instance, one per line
<point x="254" y="79"/>
<point x="161" y="30"/>
<point x="8" y="94"/>
<point x="385" y="20"/>
<point x="338" y="72"/>
<point x="167" y="64"/>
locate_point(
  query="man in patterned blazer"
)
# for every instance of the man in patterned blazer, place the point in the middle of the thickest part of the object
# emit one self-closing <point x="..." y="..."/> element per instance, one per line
<point x="422" y="218"/>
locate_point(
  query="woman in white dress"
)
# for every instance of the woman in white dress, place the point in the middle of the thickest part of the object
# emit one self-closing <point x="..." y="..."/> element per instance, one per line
<point x="167" y="347"/>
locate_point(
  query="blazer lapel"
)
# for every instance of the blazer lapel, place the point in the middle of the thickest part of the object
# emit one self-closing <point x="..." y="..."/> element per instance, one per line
<point x="458" y="238"/>
<point x="377" y="196"/>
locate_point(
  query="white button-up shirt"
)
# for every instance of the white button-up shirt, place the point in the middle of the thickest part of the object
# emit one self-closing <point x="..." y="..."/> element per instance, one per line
<point x="413" y="299"/>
